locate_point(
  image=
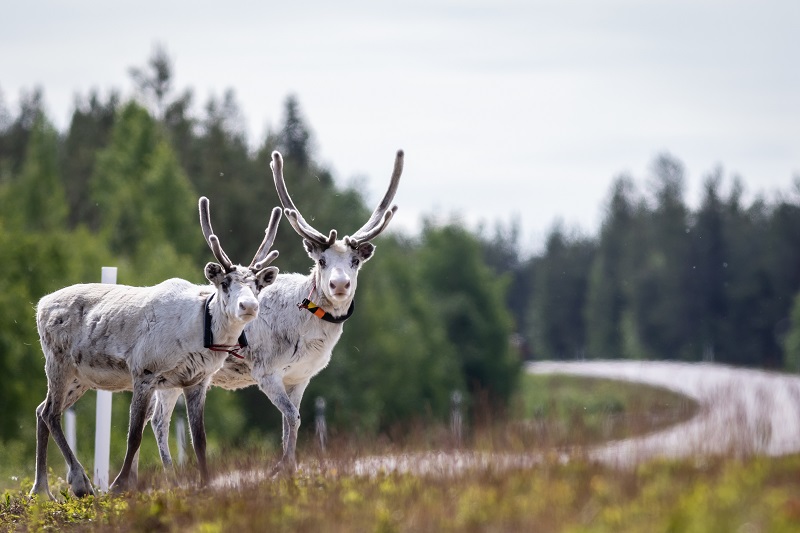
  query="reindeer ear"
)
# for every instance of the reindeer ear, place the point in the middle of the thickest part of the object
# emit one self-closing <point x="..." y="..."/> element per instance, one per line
<point x="266" y="277"/>
<point x="311" y="248"/>
<point x="214" y="273"/>
<point x="365" y="250"/>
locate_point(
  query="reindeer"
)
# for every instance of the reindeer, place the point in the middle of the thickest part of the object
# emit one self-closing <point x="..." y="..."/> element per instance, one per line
<point x="172" y="335"/>
<point x="291" y="342"/>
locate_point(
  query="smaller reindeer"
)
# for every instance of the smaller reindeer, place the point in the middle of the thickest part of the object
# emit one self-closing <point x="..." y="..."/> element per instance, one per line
<point x="301" y="319"/>
<point x="115" y="337"/>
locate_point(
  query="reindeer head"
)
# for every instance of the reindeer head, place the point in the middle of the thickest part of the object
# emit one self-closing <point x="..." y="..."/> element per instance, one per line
<point x="238" y="286"/>
<point x="338" y="261"/>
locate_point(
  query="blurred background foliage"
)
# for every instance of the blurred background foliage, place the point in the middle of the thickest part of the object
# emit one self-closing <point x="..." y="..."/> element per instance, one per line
<point x="447" y="309"/>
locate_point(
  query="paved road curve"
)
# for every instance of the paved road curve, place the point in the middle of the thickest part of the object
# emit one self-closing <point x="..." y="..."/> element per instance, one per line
<point x="742" y="411"/>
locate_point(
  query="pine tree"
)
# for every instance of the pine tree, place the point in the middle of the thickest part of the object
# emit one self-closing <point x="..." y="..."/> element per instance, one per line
<point x="89" y="132"/>
<point x="116" y="185"/>
<point x="294" y="138"/>
<point x="560" y="289"/>
<point x="709" y="272"/>
<point x="606" y="299"/>
<point x="37" y="194"/>
<point x="225" y="172"/>
<point x="747" y="287"/>
<point x="660" y="304"/>
<point x="154" y="82"/>
<point x="170" y="212"/>
<point x="15" y="134"/>
<point x="142" y="194"/>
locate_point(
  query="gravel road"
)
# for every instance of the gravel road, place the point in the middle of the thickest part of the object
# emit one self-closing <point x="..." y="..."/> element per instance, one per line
<point x="742" y="411"/>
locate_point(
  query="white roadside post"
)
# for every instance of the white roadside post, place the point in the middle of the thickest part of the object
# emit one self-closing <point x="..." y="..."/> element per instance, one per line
<point x="456" y="417"/>
<point x="320" y="427"/>
<point x="102" y="435"/>
<point x="69" y="429"/>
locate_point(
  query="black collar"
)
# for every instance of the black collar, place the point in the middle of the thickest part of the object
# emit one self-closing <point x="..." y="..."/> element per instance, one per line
<point x="208" y="337"/>
<point x="319" y="312"/>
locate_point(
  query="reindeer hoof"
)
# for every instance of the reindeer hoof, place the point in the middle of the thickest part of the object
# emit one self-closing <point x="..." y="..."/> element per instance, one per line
<point x="120" y="485"/>
<point x="283" y="469"/>
<point x="41" y="492"/>
<point x="170" y="477"/>
<point x="80" y="484"/>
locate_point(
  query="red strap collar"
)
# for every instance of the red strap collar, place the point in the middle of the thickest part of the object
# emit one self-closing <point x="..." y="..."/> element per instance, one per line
<point x="230" y="348"/>
<point x="208" y="340"/>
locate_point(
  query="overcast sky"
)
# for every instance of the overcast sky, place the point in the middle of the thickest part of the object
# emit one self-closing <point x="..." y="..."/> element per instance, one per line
<point x="504" y="108"/>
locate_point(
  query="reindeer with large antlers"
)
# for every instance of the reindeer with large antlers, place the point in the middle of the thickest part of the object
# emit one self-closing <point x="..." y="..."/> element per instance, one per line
<point x="291" y="342"/>
<point x="173" y="335"/>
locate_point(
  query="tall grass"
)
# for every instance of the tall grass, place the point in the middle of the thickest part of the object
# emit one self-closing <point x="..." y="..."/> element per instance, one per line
<point x="552" y="491"/>
<point x="718" y="494"/>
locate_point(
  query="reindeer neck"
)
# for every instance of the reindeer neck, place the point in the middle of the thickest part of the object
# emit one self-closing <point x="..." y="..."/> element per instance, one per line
<point x="223" y="329"/>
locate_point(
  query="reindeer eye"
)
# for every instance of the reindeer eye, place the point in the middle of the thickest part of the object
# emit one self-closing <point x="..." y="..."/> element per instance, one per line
<point x="354" y="262"/>
<point x="322" y="262"/>
<point x="226" y="283"/>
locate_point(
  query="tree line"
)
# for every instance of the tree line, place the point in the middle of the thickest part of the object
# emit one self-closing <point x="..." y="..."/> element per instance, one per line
<point x="120" y="186"/>
<point x="447" y="309"/>
<point x="663" y="281"/>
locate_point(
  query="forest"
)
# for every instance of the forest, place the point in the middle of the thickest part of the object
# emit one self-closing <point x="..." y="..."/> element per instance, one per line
<point x="448" y="309"/>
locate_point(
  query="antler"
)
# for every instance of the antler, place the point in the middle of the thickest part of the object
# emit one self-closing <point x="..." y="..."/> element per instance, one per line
<point x="383" y="213"/>
<point x="211" y="238"/>
<point x="303" y="228"/>
<point x="262" y="259"/>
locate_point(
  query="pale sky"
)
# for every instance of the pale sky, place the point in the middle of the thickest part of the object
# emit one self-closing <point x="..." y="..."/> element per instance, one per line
<point x="505" y="108"/>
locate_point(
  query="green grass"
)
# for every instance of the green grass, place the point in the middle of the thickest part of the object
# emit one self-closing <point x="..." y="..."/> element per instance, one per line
<point x="569" y="410"/>
<point x="724" y="494"/>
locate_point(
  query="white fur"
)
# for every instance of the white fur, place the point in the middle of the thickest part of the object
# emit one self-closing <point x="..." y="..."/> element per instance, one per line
<point x="117" y="337"/>
<point x="287" y="346"/>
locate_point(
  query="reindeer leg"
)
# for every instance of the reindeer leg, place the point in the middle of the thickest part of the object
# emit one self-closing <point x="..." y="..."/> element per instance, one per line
<point x="286" y="434"/>
<point x="40" y="485"/>
<point x="273" y="387"/>
<point x="142" y="396"/>
<point x="195" y="407"/>
<point x="148" y="415"/>
<point x="295" y="396"/>
<point x="59" y="397"/>
<point x="165" y="400"/>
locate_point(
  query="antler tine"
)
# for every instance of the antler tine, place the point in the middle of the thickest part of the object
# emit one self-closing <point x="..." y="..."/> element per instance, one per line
<point x="205" y="218"/>
<point x="383" y="214"/>
<point x="377" y="229"/>
<point x="261" y="259"/>
<point x="303" y="228"/>
<point x="211" y="239"/>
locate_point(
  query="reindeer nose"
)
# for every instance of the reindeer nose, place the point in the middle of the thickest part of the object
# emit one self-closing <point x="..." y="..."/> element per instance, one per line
<point x="249" y="306"/>
<point x="339" y="282"/>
